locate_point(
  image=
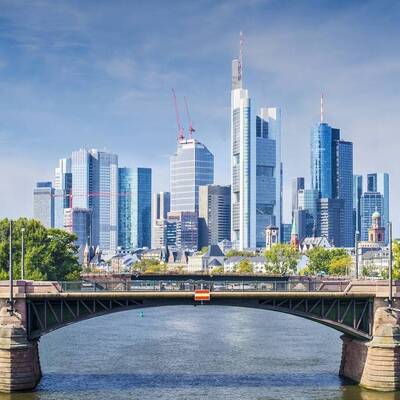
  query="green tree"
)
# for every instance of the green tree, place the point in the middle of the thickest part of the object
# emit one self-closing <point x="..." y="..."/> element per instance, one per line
<point x="218" y="270"/>
<point x="319" y="259"/>
<point x="282" y="259"/>
<point x="239" y="253"/>
<point x="203" y="250"/>
<point x="244" y="267"/>
<point x="50" y="254"/>
<point x="340" y="265"/>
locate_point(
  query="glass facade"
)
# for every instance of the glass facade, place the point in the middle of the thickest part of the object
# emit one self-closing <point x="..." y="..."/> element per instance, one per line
<point x="357" y="193"/>
<point x="191" y="166"/>
<point x="43" y="204"/>
<point x="370" y="202"/>
<point x="379" y="182"/>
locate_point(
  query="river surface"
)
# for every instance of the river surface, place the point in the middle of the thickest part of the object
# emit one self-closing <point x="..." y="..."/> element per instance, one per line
<point x="204" y="352"/>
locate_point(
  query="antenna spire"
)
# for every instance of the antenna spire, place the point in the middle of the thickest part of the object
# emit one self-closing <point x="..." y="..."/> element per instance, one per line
<point x="322" y="108"/>
<point x="240" y="76"/>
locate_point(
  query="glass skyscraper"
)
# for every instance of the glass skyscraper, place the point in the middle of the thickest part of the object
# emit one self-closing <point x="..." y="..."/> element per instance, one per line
<point x="191" y="166"/>
<point x="332" y="177"/>
<point x="268" y="172"/>
<point x="134" y="218"/>
<point x="370" y="202"/>
<point x="379" y="182"/>
<point x="357" y="193"/>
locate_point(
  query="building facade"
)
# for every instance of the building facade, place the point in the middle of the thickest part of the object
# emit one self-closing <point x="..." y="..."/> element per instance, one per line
<point x="214" y="214"/>
<point x="43" y="204"/>
<point x="268" y="172"/>
<point x="357" y="193"/>
<point x="379" y="182"/>
<point x="370" y="202"/>
<point x="182" y="230"/>
<point x="297" y="184"/>
<point x="160" y="209"/>
<point x="190" y="167"/>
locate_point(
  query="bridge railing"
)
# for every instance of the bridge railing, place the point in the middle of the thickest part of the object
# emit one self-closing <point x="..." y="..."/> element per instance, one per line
<point x="214" y="286"/>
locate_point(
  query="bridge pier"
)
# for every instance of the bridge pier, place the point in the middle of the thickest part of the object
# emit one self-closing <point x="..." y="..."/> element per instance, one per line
<point x="375" y="364"/>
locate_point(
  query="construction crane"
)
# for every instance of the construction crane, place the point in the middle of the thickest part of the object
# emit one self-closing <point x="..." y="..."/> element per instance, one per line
<point x="181" y="134"/>
<point x="191" y="129"/>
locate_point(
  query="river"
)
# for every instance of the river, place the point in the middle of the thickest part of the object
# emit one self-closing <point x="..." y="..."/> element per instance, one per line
<point x="204" y="352"/>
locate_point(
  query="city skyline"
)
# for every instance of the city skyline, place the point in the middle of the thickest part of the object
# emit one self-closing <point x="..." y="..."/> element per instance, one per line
<point x="212" y="123"/>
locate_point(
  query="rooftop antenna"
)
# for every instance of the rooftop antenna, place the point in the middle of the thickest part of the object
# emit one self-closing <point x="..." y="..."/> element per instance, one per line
<point x="191" y="129"/>
<point x="322" y="108"/>
<point x="181" y="134"/>
<point x="240" y="69"/>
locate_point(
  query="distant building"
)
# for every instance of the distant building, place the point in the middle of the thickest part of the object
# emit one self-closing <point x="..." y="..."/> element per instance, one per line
<point x="214" y="214"/>
<point x="134" y="208"/>
<point x="309" y="243"/>
<point x="286" y="230"/>
<point x="191" y="166"/>
<point x="331" y="212"/>
<point x="357" y="193"/>
<point x="297" y="184"/>
<point x="307" y="217"/>
<point x="184" y="226"/>
<point x="376" y="233"/>
<point x="160" y="207"/>
<point x="370" y="203"/>
<point x="271" y="236"/>
<point x="63" y="180"/>
<point x="43" y="204"/>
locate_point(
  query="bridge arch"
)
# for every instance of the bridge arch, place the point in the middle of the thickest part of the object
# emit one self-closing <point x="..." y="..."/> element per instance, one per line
<point x="351" y="316"/>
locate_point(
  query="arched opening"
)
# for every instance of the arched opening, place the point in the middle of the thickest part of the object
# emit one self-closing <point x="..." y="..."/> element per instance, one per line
<point x="193" y="352"/>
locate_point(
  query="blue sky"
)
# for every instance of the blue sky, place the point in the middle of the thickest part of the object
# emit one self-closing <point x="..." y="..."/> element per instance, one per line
<point x="99" y="74"/>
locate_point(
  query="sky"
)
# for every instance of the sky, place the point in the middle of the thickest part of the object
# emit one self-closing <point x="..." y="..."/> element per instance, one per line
<point x="99" y="74"/>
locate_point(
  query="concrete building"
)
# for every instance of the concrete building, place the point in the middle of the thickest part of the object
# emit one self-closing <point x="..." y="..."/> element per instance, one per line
<point x="183" y="229"/>
<point x="191" y="166"/>
<point x="297" y="184"/>
<point x="214" y="214"/>
<point x="272" y="236"/>
<point x="161" y="205"/>
<point x="43" y="204"/>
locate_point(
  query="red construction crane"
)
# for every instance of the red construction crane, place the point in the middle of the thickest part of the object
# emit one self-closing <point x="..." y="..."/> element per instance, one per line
<point x="191" y="129"/>
<point x="181" y="134"/>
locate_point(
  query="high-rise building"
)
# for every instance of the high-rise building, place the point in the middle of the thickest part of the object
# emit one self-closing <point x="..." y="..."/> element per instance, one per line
<point x="243" y="163"/>
<point x="332" y="177"/>
<point x="79" y="222"/>
<point x="134" y="217"/>
<point x="268" y="172"/>
<point x="191" y="166"/>
<point x="183" y="229"/>
<point x="43" y="204"/>
<point x="95" y="187"/>
<point x="370" y="202"/>
<point x="297" y="184"/>
<point x="160" y="207"/>
<point x="63" y="180"/>
<point x="379" y="182"/>
<point x="357" y="193"/>
<point x="331" y="214"/>
<point x="214" y="214"/>
<point x="308" y="218"/>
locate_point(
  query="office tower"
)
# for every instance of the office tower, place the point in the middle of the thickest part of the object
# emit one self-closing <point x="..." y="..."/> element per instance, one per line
<point x="332" y="177"/>
<point x="370" y="202"/>
<point x="297" y="184"/>
<point x="191" y="166"/>
<point x="379" y="182"/>
<point x="134" y="215"/>
<point x="285" y="234"/>
<point x="43" y="204"/>
<point x="308" y="203"/>
<point x="79" y="222"/>
<point x="357" y="193"/>
<point x="184" y="225"/>
<point x="268" y="172"/>
<point x="63" y="180"/>
<point x="331" y="214"/>
<point x="95" y="187"/>
<point x="302" y="220"/>
<point x="243" y="163"/>
<point x="214" y="214"/>
<point x="160" y="207"/>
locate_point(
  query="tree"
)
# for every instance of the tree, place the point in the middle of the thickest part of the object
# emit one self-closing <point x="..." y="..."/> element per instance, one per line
<point x="244" y="267"/>
<point x="218" y="270"/>
<point x="50" y="254"/>
<point x="340" y="265"/>
<point x="319" y="259"/>
<point x="282" y="259"/>
<point x="238" y="253"/>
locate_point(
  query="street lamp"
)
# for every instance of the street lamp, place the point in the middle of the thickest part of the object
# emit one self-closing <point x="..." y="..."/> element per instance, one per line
<point x="356" y="239"/>
<point x="11" y="278"/>
<point x="390" y="299"/>
<point x="22" y="254"/>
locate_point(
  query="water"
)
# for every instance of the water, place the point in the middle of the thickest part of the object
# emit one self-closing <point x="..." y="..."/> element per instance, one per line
<point x="194" y="353"/>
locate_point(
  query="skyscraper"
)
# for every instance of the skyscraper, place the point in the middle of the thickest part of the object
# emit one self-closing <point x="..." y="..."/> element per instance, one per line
<point x="134" y="217"/>
<point x="43" y="204"/>
<point x="370" y="202"/>
<point x="191" y="166"/>
<point x="214" y="214"/>
<point x="243" y="163"/>
<point x="268" y="172"/>
<point x="379" y="182"/>
<point x="182" y="228"/>
<point x="95" y="187"/>
<point x="332" y="177"/>
<point x="357" y="193"/>
<point x="63" y="180"/>
<point x="297" y="184"/>
<point x="308" y="218"/>
<point x="160" y="207"/>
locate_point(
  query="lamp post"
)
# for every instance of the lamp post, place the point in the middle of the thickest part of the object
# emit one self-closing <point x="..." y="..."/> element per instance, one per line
<point x="10" y="301"/>
<point x="356" y="239"/>
<point x="390" y="299"/>
<point x="22" y="254"/>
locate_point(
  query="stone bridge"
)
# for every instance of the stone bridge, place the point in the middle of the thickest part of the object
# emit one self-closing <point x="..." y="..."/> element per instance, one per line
<point x="358" y="309"/>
